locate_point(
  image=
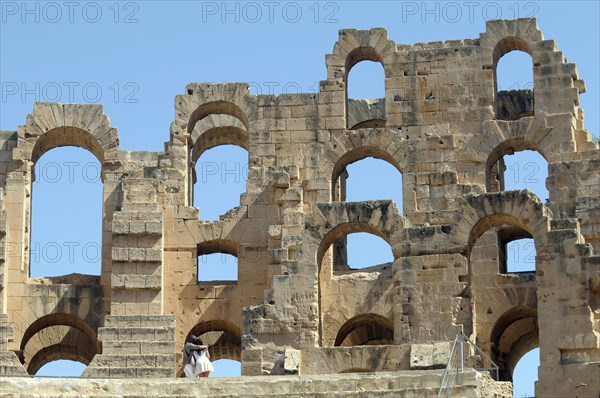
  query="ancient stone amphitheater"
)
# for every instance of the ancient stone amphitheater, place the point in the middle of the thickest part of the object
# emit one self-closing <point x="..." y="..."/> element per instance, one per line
<point x="297" y="313"/>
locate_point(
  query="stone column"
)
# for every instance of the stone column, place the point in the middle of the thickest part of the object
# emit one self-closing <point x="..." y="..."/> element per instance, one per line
<point x="137" y="339"/>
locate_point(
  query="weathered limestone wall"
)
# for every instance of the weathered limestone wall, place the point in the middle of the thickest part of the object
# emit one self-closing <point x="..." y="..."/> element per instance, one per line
<point x="296" y="307"/>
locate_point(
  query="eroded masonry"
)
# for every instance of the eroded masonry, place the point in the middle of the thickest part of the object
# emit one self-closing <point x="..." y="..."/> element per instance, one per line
<point x="296" y="307"/>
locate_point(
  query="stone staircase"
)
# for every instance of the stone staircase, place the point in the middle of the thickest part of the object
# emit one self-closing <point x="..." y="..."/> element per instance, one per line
<point x="9" y="363"/>
<point x="136" y="346"/>
<point x="407" y="384"/>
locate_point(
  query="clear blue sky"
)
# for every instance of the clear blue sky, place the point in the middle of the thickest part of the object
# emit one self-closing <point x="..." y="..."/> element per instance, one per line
<point x="134" y="57"/>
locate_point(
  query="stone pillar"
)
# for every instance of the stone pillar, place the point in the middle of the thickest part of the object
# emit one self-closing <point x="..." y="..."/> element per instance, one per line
<point x="288" y="319"/>
<point x="569" y="353"/>
<point x="137" y="340"/>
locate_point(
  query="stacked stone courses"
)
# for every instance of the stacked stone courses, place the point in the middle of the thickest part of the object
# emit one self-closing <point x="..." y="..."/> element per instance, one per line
<point x="297" y="310"/>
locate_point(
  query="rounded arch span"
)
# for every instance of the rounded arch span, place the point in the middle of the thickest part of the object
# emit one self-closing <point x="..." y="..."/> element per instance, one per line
<point x="58" y="336"/>
<point x="359" y="153"/>
<point x="54" y="125"/>
<point x="218" y="246"/>
<point x="502" y="36"/>
<point x="356" y="370"/>
<point x="60" y="320"/>
<point x="369" y="124"/>
<point x="358" y="45"/>
<point x="522" y="209"/>
<point x="224" y="338"/>
<point x="515" y="333"/>
<point x="67" y="136"/>
<point x="508" y="147"/>
<point x="361" y="54"/>
<point x="56" y="352"/>
<point x="217" y="108"/>
<point x="366" y="329"/>
<point x="496" y="220"/>
<point x="508" y="44"/>
<point x="344" y="229"/>
<point x="216" y="136"/>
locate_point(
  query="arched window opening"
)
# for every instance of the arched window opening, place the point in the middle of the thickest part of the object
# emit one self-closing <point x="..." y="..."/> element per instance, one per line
<point x="220" y="179"/>
<point x="520" y="256"/>
<point x="58" y="337"/>
<point x="366" y="251"/>
<point x="62" y="368"/>
<point x="514" y="80"/>
<point x="525" y="374"/>
<point x="367" y="173"/>
<point x="226" y="368"/>
<point x="514" y="72"/>
<point x="218" y="262"/>
<point x="514" y="334"/>
<point x="505" y="248"/>
<point x="365" y="90"/>
<point x="373" y="179"/>
<point x="360" y="178"/>
<point x="66" y="214"/>
<point x="515" y="165"/>
<point x="356" y="370"/>
<point x="224" y="339"/>
<point x="366" y="329"/>
<point x="366" y="79"/>
<point x="217" y="267"/>
<point x="358" y="252"/>
<point x="527" y="170"/>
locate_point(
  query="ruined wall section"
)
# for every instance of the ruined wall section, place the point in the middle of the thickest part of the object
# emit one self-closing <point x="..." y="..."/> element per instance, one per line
<point x="439" y="125"/>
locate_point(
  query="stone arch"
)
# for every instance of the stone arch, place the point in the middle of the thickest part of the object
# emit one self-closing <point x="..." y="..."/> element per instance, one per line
<point x="354" y="46"/>
<point x="379" y="218"/>
<point x="217" y="123"/>
<point x="356" y="370"/>
<point x="503" y="36"/>
<point x="369" y="124"/>
<point x="223" y="246"/>
<point x="224" y="338"/>
<point x="218" y="135"/>
<point x="351" y="146"/>
<point x="360" y="153"/>
<point x="58" y="336"/>
<point x="515" y="333"/>
<point x="55" y="125"/>
<point x="210" y="124"/>
<point x="218" y="246"/>
<point x="366" y="329"/>
<point x="523" y="209"/>
<point x="508" y="44"/>
<point x="203" y="100"/>
<point x="500" y="38"/>
<point x="59" y="351"/>
<point x="216" y="108"/>
<point x="507" y="147"/>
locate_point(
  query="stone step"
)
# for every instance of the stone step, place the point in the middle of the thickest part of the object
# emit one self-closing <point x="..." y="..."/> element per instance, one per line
<point x="135" y="281"/>
<point x="12" y="370"/>
<point x="136" y="360"/>
<point x="138" y="320"/>
<point x="138" y="347"/>
<point x="585" y="249"/>
<point x="591" y="263"/>
<point x="150" y="334"/>
<point x="131" y="372"/>
<point x="564" y="223"/>
<point x="590" y="154"/>
<point x="349" y="385"/>
<point x="564" y="236"/>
